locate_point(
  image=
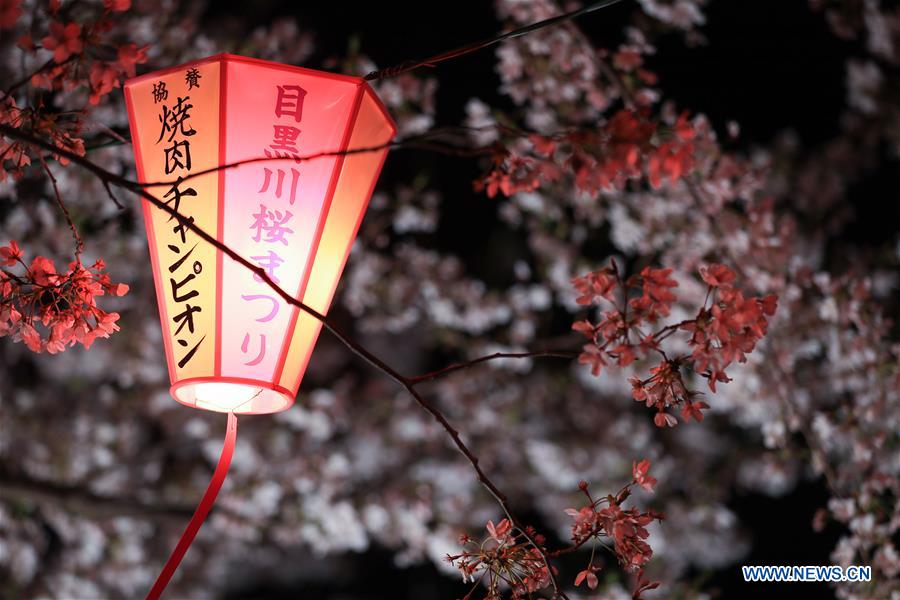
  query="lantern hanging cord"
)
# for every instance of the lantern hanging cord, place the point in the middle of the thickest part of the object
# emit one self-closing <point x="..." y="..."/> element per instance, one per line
<point x="206" y="503"/>
<point x="411" y="65"/>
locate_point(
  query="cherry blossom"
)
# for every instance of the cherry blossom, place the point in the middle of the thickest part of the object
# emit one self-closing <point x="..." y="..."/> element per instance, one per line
<point x="63" y="305"/>
<point x="722" y="333"/>
<point x="604" y="518"/>
<point x="504" y="560"/>
<point x="117" y="5"/>
<point x="641" y="476"/>
<point x="629" y="146"/>
<point x="64" y="40"/>
<point x="588" y="576"/>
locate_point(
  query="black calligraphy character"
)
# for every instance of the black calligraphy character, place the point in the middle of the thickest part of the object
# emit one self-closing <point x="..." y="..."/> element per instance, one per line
<point x="191" y="352"/>
<point x="177" y="264"/>
<point x="186" y="317"/>
<point x="178" y="156"/>
<point x="183" y="226"/>
<point x="192" y="78"/>
<point x="160" y="92"/>
<point x="177" y="285"/>
<point x="175" y="201"/>
<point x="175" y="120"/>
<point x="289" y="102"/>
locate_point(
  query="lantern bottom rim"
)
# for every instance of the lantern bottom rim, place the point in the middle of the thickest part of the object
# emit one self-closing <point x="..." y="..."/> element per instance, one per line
<point x="239" y="395"/>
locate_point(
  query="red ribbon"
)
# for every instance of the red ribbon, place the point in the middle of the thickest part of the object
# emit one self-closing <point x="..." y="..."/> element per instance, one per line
<point x="209" y="498"/>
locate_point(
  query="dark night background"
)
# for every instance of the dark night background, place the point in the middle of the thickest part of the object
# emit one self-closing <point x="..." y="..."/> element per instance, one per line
<point x="776" y="67"/>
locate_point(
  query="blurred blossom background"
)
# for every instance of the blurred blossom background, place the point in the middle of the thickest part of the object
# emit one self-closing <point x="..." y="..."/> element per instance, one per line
<point x="356" y="493"/>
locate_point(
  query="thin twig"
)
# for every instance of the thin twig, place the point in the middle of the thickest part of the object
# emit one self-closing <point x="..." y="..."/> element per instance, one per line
<point x="28" y="77"/>
<point x="418" y="141"/>
<point x="112" y="196"/>
<point x="79" y="243"/>
<point x="604" y="67"/>
<point x="496" y="355"/>
<point x="411" y="65"/>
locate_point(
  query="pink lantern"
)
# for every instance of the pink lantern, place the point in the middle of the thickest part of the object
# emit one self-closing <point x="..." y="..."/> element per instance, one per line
<point x="309" y="147"/>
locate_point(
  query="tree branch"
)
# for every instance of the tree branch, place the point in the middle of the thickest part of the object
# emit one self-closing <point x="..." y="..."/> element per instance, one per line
<point x="79" y="243"/>
<point x="421" y="141"/>
<point x="604" y="66"/>
<point x="496" y="355"/>
<point x="411" y="65"/>
<point x="15" y="86"/>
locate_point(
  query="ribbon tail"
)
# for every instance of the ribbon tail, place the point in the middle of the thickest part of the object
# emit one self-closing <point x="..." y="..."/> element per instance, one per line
<point x="206" y="503"/>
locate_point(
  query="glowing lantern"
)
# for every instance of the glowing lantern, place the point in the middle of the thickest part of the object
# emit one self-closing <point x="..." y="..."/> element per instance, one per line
<point x="232" y="344"/>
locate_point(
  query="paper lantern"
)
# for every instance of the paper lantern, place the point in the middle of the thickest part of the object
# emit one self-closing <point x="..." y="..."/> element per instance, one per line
<point x="232" y="345"/>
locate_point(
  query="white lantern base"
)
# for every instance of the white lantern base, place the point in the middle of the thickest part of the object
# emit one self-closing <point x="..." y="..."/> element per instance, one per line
<point x="232" y="395"/>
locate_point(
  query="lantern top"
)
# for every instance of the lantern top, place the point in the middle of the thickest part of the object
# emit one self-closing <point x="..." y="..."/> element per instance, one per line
<point x="236" y="58"/>
<point x="225" y="56"/>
